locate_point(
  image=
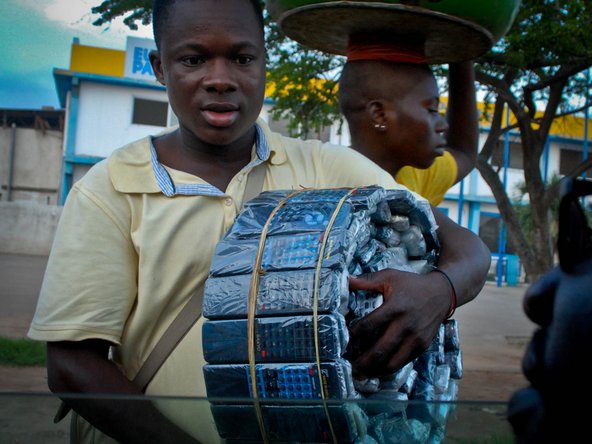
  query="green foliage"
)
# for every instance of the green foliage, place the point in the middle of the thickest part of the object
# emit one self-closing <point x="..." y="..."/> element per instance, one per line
<point x="549" y="33"/>
<point x="550" y="40"/>
<point x="22" y="352"/>
<point x="303" y="81"/>
<point x="139" y="11"/>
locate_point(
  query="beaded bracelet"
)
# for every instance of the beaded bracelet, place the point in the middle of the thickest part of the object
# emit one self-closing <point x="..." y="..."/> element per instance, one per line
<point x="452" y="293"/>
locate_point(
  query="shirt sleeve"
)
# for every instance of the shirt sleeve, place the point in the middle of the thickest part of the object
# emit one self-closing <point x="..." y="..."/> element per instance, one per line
<point x="89" y="285"/>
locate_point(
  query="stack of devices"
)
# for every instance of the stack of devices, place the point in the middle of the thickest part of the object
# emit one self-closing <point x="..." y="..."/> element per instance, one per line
<point x="296" y="359"/>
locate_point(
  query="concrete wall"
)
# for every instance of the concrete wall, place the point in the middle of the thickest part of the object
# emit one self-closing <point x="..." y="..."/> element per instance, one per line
<point x="27" y="227"/>
<point x="37" y="165"/>
<point x="29" y="220"/>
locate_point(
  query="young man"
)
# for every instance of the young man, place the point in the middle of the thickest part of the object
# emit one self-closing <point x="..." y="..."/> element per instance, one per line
<point x="390" y="100"/>
<point x="138" y="232"/>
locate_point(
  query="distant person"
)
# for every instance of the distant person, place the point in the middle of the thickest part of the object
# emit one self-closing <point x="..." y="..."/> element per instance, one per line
<point x="138" y="231"/>
<point x="556" y="407"/>
<point x="390" y="99"/>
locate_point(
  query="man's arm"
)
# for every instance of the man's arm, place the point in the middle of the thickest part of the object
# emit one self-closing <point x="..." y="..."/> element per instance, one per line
<point x="461" y="113"/>
<point x="84" y="368"/>
<point x="415" y="305"/>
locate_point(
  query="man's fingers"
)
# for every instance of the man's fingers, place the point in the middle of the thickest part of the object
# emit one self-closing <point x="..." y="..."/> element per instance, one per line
<point x="380" y="359"/>
<point x="365" y="282"/>
<point x="370" y="325"/>
<point x="386" y="354"/>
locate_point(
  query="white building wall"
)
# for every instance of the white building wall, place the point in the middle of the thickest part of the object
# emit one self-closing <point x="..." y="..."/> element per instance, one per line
<point x="105" y="117"/>
<point x="554" y="159"/>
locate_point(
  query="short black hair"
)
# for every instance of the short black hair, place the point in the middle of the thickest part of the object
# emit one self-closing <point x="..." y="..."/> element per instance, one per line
<point x="161" y="10"/>
<point x="360" y="83"/>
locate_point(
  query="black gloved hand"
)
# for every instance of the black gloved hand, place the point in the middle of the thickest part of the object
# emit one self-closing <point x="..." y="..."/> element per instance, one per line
<point x="557" y="405"/>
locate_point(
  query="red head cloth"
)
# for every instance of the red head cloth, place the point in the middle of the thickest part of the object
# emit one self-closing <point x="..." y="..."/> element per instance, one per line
<point x="376" y="47"/>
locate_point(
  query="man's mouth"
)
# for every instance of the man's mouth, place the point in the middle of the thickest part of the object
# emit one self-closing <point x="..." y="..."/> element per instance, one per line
<point x="220" y="114"/>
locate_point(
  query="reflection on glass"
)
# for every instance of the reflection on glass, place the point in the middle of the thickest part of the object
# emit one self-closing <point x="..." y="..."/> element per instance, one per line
<point x="28" y="417"/>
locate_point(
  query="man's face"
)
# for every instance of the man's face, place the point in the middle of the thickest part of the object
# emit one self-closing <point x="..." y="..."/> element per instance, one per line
<point x="212" y="61"/>
<point x="418" y="134"/>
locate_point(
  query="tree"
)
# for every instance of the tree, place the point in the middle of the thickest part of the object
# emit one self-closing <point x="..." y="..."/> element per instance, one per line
<point x="535" y="70"/>
<point x="304" y="83"/>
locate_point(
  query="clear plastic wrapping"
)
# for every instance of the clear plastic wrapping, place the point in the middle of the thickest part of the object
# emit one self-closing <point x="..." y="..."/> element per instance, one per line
<point x="289" y="219"/>
<point x="281" y="293"/>
<point x="396" y="380"/>
<point x="454" y="361"/>
<point x="394" y="257"/>
<point x="414" y="242"/>
<point x="388" y="236"/>
<point x="293" y="252"/>
<point x="281" y="381"/>
<point x="362" y="303"/>
<point x="400" y="201"/>
<point x="277" y="339"/>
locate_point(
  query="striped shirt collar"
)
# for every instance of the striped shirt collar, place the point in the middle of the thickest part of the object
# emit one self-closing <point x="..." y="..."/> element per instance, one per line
<point x="170" y="189"/>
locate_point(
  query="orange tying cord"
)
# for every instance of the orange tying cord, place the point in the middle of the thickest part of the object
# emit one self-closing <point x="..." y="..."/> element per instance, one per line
<point x="407" y="49"/>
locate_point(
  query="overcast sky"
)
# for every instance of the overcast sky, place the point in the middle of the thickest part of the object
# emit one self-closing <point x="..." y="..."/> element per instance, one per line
<point x="36" y="36"/>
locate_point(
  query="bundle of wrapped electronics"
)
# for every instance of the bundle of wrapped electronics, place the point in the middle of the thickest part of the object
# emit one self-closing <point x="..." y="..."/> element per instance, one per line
<point x="278" y="306"/>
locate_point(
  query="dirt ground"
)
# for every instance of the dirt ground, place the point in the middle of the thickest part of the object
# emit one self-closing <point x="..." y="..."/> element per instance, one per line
<point x="493" y="334"/>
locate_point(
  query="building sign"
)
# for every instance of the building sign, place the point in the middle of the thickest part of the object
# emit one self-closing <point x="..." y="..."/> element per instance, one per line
<point x="137" y="61"/>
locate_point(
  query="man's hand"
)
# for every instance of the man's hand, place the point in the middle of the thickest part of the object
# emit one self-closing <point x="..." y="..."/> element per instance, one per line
<point x="403" y="326"/>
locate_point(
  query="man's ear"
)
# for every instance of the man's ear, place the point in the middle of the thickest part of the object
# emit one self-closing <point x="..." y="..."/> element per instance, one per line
<point x="157" y="68"/>
<point x="376" y="112"/>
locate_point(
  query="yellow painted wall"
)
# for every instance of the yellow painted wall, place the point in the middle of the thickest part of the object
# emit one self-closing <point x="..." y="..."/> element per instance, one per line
<point x="104" y="61"/>
<point x="571" y="127"/>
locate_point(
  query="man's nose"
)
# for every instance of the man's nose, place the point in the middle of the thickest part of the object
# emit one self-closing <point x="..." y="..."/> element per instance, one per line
<point x="219" y="76"/>
<point x="441" y="124"/>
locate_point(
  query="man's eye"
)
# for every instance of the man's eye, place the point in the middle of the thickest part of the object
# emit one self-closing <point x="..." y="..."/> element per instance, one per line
<point x="244" y="60"/>
<point x="193" y="60"/>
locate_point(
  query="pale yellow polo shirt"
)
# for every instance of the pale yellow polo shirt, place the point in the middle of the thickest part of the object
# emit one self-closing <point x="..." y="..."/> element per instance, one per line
<point x="433" y="182"/>
<point x="126" y="258"/>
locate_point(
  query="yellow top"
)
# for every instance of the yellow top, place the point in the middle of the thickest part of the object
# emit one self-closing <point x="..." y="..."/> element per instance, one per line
<point x="433" y="182"/>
